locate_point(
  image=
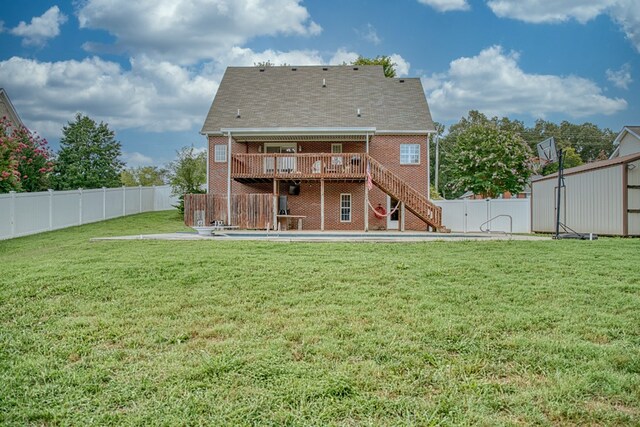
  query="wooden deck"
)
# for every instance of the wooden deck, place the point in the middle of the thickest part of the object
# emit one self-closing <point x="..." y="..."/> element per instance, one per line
<point x="297" y="167"/>
<point x="326" y="166"/>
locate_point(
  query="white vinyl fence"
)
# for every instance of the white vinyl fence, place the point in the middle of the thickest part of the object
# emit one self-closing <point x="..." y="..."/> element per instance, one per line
<point x="30" y="213"/>
<point x="467" y="216"/>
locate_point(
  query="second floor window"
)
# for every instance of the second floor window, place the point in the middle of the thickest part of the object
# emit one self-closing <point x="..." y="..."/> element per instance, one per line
<point x="220" y="154"/>
<point x="409" y="154"/>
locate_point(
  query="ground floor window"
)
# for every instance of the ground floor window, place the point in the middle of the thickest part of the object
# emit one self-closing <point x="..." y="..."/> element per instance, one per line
<point x="345" y="207"/>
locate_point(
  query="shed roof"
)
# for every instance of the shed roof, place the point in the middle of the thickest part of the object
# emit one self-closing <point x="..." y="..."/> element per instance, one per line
<point x="318" y="97"/>
<point x="594" y="165"/>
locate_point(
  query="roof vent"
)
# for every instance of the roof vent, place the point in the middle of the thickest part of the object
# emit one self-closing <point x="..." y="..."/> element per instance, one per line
<point x="401" y="80"/>
<point x="262" y="70"/>
<point x="294" y="69"/>
<point x="238" y="115"/>
<point x="324" y="68"/>
<point x="324" y="83"/>
<point x="358" y="112"/>
<point x="355" y="68"/>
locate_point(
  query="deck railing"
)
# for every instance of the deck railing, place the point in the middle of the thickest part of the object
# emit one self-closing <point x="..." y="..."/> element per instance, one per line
<point x="299" y="166"/>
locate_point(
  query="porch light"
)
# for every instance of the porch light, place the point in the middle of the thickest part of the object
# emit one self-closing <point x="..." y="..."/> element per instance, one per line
<point x="324" y="83"/>
<point x="299" y="148"/>
<point x="238" y="115"/>
<point x="358" y="112"/>
<point x="259" y="148"/>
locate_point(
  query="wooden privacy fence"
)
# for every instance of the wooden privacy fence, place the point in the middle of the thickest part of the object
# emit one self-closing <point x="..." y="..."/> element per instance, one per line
<point x="248" y="211"/>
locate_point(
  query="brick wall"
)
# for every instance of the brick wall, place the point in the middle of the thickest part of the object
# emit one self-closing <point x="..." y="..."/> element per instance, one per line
<point x="384" y="148"/>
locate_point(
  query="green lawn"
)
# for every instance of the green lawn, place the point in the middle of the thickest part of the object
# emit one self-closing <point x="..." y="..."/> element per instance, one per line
<point x="251" y="333"/>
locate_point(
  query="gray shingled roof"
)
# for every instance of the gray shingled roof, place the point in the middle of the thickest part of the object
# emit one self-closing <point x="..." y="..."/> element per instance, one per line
<point x="279" y="97"/>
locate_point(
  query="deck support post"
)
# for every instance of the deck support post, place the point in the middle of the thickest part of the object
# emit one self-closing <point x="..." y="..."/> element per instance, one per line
<point x="229" y="180"/>
<point x="275" y="204"/>
<point x="322" y="204"/>
<point x="402" y="212"/>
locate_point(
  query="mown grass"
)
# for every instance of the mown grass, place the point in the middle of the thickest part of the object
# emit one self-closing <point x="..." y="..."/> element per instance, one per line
<point x="252" y="333"/>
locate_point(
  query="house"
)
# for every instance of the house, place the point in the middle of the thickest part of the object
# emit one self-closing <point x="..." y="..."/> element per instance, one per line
<point x="600" y="197"/>
<point x="336" y="147"/>
<point x="627" y="142"/>
<point x="7" y="110"/>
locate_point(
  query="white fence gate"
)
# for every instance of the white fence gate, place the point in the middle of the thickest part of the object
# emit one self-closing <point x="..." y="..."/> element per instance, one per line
<point x="467" y="216"/>
<point x="30" y="213"/>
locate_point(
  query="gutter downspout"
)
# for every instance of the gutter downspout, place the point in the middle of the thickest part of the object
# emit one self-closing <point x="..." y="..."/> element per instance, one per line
<point x="366" y="189"/>
<point x="428" y="169"/>
<point x="207" y="184"/>
<point x="229" y="180"/>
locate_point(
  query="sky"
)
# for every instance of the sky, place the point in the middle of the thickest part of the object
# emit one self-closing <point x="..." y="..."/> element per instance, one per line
<point x="150" y="68"/>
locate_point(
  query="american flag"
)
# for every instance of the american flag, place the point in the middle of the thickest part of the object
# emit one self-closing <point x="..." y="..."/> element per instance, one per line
<point x="369" y="181"/>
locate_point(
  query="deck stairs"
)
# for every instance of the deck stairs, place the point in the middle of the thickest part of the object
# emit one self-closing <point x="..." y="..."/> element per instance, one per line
<point x="414" y="201"/>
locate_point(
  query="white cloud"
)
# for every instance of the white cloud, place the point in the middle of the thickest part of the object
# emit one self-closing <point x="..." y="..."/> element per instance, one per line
<point x="369" y="34"/>
<point x="186" y="31"/>
<point x="446" y="5"/>
<point x="41" y="28"/>
<point x="342" y="56"/>
<point x="136" y="159"/>
<point x="154" y="95"/>
<point x="402" y="65"/>
<point x="537" y="11"/>
<point x="494" y="83"/>
<point x="620" y="78"/>
<point x="624" y="12"/>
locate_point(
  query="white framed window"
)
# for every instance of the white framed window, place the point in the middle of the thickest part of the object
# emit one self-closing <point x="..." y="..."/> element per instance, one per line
<point x="345" y="207"/>
<point x="409" y="154"/>
<point x="220" y="153"/>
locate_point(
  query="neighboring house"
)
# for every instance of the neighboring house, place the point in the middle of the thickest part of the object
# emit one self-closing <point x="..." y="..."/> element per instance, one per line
<point x="7" y="110"/>
<point x="314" y="134"/>
<point x="600" y="197"/>
<point x="627" y="142"/>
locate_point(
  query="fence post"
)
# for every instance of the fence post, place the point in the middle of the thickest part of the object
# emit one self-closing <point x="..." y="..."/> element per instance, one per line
<point x="104" y="203"/>
<point x="12" y="213"/>
<point x="80" y="206"/>
<point x="50" y="209"/>
<point x="124" y="200"/>
<point x="140" y="198"/>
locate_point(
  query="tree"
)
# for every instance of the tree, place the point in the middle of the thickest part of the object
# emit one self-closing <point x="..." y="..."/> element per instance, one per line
<point x="89" y="156"/>
<point x="588" y="140"/>
<point x="489" y="160"/>
<point x="145" y="176"/>
<point x="188" y="173"/>
<point x="387" y="64"/>
<point x="25" y="160"/>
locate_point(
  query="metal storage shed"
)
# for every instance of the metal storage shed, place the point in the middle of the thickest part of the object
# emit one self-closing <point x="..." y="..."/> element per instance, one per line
<point x="601" y="197"/>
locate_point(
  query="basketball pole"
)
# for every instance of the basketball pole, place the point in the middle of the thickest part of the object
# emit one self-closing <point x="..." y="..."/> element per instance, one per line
<point x="560" y="185"/>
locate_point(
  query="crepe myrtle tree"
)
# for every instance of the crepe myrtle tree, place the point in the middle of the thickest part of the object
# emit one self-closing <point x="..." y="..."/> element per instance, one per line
<point x="488" y="160"/>
<point x="25" y="159"/>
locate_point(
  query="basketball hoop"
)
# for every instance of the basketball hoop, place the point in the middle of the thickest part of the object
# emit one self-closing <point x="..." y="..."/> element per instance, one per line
<point x="547" y="152"/>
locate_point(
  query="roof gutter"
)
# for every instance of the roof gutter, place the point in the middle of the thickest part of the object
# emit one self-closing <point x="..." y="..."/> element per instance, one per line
<point x="310" y="131"/>
<point x="293" y="131"/>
